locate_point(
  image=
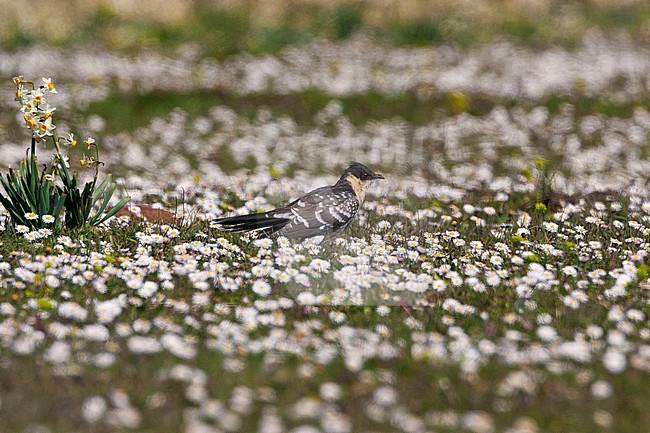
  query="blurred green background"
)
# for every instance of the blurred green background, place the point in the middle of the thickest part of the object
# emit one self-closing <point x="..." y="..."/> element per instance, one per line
<point x="219" y="29"/>
<point x="222" y="28"/>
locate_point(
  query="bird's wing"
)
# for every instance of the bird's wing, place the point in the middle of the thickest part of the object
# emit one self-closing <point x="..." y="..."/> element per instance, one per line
<point x="322" y="211"/>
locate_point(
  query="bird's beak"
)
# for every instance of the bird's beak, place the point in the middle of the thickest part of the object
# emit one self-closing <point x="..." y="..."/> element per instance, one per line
<point x="379" y="176"/>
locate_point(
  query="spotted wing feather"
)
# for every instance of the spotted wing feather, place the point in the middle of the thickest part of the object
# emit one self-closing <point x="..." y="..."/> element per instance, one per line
<point x="324" y="211"/>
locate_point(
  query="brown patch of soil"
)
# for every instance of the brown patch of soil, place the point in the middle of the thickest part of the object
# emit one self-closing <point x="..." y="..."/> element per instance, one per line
<point x="148" y="213"/>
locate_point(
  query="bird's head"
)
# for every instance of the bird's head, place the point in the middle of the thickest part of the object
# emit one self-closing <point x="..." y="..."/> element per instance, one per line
<point x="358" y="176"/>
<point x="361" y="172"/>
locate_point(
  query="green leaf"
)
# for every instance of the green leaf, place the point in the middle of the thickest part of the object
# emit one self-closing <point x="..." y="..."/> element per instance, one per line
<point x="107" y="198"/>
<point x="99" y="191"/>
<point x="120" y="204"/>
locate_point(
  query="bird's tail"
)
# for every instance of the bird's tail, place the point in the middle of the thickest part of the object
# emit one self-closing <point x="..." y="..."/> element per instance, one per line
<point x="267" y="222"/>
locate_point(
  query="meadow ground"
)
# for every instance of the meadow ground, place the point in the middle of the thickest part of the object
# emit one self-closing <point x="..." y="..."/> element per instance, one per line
<point x="497" y="281"/>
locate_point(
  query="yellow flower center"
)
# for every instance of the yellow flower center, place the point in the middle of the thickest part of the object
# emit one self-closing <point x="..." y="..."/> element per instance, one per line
<point x="50" y="85"/>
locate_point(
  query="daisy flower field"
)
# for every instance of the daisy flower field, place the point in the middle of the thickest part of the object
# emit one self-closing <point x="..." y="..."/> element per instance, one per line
<point x="498" y="280"/>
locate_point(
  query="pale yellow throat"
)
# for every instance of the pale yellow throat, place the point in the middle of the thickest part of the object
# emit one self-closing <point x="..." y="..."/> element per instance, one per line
<point x="358" y="186"/>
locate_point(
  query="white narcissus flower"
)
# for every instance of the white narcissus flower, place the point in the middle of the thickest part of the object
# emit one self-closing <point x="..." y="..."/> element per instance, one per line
<point x="49" y="111"/>
<point x="49" y="85"/>
<point x="29" y="107"/>
<point x="30" y="121"/>
<point x="46" y="128"/>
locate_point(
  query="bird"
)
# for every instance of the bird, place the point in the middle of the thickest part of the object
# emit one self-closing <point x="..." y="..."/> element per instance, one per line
<point x="325" y="211"/>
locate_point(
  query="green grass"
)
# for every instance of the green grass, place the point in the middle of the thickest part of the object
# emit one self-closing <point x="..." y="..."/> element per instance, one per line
<point x="126" y="112"/>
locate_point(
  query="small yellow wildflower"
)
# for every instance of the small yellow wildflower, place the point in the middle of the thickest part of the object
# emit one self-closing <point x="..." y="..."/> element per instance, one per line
<point x="89" y="142"/>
